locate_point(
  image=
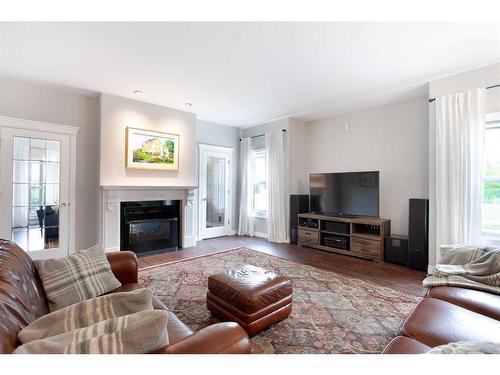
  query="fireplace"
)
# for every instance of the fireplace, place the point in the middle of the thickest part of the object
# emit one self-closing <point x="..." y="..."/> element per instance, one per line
<point x="150" y="226"/>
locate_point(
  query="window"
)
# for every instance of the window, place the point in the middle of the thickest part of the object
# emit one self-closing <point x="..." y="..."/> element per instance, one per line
<point x="259" y="197"/>
<point x="490" y="221"/>
<point x="35" y="186"/>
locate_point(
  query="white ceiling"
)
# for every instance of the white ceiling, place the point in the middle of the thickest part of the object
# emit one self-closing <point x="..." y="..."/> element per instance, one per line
<point x="241" y="74"/>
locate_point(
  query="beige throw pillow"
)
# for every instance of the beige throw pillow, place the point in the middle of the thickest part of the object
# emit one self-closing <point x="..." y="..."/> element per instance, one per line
<point x="138" y="333"/>
<point x="86" y="313"/>
<point x="78" y="277"/>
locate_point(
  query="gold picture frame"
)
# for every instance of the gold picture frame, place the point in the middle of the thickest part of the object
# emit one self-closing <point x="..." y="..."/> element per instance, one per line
<point x="151" y="150"/>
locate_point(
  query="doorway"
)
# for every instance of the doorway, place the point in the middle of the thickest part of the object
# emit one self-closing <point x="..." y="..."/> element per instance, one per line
<point x="214" y="191"/>
<point x="37" y="186"/>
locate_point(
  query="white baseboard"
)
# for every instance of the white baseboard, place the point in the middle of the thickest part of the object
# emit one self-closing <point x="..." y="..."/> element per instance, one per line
<point x="261" y="235"/>
<point x="190" y="241"/>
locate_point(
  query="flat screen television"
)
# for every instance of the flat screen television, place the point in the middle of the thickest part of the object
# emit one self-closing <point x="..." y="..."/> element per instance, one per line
<point x="345" y="194"/>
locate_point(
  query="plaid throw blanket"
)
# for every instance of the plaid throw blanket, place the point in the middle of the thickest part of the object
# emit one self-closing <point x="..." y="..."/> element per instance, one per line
<point x="86" y="313"/>
<point x="467" y="266"/>
<point x="138" y="333"/>
<point x="467" y="347"/>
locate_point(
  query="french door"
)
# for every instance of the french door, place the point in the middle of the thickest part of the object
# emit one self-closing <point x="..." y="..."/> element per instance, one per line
<point x="35" y="191"/>
<point x="214" y="191"/>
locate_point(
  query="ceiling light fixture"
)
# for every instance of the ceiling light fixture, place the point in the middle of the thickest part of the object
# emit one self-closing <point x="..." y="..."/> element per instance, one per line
<point x="188" y="104"/>
<point x="138" y="92"/>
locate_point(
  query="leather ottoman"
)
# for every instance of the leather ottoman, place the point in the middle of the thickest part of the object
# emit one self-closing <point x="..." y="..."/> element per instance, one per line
<point x="251" y="296"/>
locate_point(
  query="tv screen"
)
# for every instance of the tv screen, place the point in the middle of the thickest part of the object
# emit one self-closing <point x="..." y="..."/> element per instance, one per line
<point x="350" y="193"/>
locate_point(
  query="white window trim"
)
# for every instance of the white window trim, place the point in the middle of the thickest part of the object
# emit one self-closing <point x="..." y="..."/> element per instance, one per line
<point x="257" y="214"/>
<point x="260" y="214"/>
<point x="489" y="238"/>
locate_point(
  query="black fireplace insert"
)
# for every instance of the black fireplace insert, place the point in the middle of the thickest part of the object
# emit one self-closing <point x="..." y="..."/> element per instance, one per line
<point x="150" y="226"/>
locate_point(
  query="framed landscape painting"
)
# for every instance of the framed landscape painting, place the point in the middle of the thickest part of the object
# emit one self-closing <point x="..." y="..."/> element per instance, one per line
<point x="152" y="150"/>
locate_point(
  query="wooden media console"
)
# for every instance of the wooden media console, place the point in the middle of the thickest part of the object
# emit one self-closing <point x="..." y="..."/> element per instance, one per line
<point x="361" y="237"/>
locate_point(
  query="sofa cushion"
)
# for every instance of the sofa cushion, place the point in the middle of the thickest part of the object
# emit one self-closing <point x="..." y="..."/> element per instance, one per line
<point x="481" y="302"/>
<point x="405" y="345"/>
<point x="22" y="298"/>
<point x="77" y="277"/>
<point x="434" y="322"/>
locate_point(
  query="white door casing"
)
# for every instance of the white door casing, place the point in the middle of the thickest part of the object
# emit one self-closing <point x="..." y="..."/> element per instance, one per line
<point x="66" y="136"/>
<point x="221" y="153"/>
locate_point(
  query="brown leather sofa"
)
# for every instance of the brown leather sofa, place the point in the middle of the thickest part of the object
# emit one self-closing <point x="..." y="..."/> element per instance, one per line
<point x="448" y="314"/>
<point x="22" y="300"/>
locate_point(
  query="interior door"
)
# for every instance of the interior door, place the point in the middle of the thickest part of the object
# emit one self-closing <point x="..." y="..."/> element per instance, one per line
<point x="34" y="191"/>
<point x="214" y="191"/>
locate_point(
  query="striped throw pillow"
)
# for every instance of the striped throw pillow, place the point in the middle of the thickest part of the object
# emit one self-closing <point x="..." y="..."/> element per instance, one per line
<point x="78" y="277"/>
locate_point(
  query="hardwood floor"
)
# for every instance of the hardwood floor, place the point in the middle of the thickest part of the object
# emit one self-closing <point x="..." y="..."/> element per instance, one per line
<point x="385" y="274"/>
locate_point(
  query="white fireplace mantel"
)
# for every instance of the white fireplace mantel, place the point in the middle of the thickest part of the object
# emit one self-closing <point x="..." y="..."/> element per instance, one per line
<point x="112" y="196"/>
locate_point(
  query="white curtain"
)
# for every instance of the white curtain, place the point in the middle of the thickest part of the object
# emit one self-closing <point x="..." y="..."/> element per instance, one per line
<point x="460" y="126"/>
<point x="246" y="224"/>
<point x="277" y="187"/>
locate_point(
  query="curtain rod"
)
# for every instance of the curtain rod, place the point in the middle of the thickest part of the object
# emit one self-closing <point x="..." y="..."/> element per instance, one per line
<point x="487" y="88"/>
<point x="261" y="135"/>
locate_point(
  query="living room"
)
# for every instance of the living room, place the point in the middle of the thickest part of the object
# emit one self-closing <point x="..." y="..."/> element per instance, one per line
<point x="250" y="188"/>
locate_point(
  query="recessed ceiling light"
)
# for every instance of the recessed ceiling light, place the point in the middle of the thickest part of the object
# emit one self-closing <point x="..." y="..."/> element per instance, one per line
<point x="188" y="104"/>
<point x="138" y="92"/>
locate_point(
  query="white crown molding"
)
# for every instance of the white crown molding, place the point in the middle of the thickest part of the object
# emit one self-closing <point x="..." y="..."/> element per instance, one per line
<point x="18" y="123"/>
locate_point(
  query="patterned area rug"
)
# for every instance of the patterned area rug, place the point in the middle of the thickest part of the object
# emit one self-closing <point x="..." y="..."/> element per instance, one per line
<point x="331" y="313"/>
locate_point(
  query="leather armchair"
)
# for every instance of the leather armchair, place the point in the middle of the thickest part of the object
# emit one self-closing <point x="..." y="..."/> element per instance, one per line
<point x="124" y="266"/>
<point x="448" y="314"/>
<point x="221" y="338"/>
<point x="22" y="300"/>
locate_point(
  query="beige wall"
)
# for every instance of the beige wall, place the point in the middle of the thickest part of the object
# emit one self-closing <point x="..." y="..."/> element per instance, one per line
<point x="41" y="102"/>
<point x="116" y="114"/>
<point x="392" y="139"/>
<point x="298" y="176"/>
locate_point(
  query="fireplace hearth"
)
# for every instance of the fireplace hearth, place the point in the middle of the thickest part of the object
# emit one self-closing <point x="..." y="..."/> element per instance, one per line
<point x="148" y="227"/>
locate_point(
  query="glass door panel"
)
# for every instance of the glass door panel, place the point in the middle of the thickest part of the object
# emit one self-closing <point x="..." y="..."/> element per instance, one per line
<point x="35" y="193"/>
<point x="216" y="199"/>
<point x="214" y="191"/>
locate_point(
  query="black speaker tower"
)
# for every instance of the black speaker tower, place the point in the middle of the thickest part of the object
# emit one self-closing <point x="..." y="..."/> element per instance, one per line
<point x="418" y="234"/>
<point x="298" y="204"/>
